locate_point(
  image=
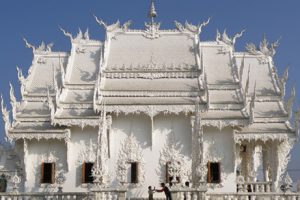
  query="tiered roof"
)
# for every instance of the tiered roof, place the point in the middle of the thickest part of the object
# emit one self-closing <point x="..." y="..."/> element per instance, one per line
<point x="152" y="71"/>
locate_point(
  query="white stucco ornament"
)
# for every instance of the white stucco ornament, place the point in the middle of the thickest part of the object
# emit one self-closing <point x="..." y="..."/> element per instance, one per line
<point x="131" y="151"/>
<point x="16" y="180"/>
<point x="178" y="166"/>
<point x="154" y="77"/>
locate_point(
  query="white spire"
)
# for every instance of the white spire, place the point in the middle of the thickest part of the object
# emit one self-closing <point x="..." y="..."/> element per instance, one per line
<point x="152" y="13"/>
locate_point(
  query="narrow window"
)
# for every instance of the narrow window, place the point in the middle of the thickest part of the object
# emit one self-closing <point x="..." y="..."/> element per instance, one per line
<point x="87" y="176"/>
<point x="213" y="172"/>
<point x="134" y="172"/>
<point x="48" y="173"/>
<point x="167" y="173"/>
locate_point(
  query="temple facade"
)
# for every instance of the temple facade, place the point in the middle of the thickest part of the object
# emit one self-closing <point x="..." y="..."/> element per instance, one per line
<point x="148" y="106"/>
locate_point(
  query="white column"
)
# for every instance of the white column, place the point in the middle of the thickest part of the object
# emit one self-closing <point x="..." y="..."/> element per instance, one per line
<point x="266" y="165"/>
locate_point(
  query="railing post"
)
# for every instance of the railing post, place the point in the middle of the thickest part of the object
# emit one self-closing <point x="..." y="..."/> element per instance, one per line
<point x="97" y="195"/>
<point x="174" y="195"/>
<point x="122" y="195"/>
<point x="201" y="195"/>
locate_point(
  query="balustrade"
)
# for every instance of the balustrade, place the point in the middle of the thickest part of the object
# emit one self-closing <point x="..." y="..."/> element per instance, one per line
<point x="255" y="187"/>
<point x="252" y="196"/>
<point x="103" y="194"/>
<point x="258" y="193"/>
<point x="46" y="196"/>
<point x="188" y="194"/>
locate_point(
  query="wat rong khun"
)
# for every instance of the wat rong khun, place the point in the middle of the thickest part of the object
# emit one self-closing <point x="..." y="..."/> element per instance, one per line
<point x="110" y="118"/>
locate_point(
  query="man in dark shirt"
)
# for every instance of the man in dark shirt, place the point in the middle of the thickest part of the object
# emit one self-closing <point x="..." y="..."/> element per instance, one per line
<point x="166" y="190"/>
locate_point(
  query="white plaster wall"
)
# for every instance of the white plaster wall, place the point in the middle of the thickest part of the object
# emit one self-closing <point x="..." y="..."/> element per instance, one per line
<point x="43" y="151"/>
<point x="140" y="127"/>
<point x="81" y="148"/>
<point x="219" y="146"/>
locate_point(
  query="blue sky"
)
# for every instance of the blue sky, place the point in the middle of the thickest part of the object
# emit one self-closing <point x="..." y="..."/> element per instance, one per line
<point x="39" y="21"/>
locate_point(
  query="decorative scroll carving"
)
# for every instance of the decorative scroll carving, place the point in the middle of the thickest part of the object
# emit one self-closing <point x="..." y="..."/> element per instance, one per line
<point x="42" y="49"/>
<point x="220" y="124"/>
<point x="22" y="81"/>
<point x="179" y="26"/>
<point x="45" y="134"/>
<point x="283" y="153"/>
<point x="67" y="34"/>
<point x="152" y="67"/>
<point x="282" y="82"/>
<point x="80" y="37"/>
<point x="150" y="110"/>
<point x="100" y="169"/>
<point x="126" y="25"/>
<point x="213" y="154"/>
<point x="178" y="165"/>
<point x="86" y="35"/>
<point x="108" y="28"/>
<point x="13" y="101"/>
<point x="75" y="122"/>
<point x="251" y="48"/>
<point x="287" y="183"/>
<point x="16" y="180"/>
<point x="254" y="136"/>
<point x="265" y="48"/>
<point x="290" y="102"/>
<point x="195" y="93"/>
<point x="226" y="39"/>
<point x="152" y="30"/>
<point x="49" y="157"/>
<point x="5" y="116"/>
<point x="197" y="155"/>
<point x="192" y="28"/>
<point x="131" y="151"/>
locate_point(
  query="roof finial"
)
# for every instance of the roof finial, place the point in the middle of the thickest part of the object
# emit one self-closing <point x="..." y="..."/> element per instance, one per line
<point x="152" y="13"/>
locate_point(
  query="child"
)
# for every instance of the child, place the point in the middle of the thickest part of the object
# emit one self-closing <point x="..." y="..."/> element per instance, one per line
<point x="150" y="192"/>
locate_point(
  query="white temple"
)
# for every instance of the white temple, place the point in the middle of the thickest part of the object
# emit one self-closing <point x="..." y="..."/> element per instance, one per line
<point x="149" y="106"/>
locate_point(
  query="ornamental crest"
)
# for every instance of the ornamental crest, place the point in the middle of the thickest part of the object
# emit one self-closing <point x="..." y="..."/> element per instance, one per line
<point x="130" y="152"/>
<point x="87" y="154"/>
<point x="152" y="30"/>
<point x="173" y="163"/>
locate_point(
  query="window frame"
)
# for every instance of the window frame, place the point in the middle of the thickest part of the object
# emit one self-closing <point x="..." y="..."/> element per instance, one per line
<point x="84" y="177"/>
<point x="134" y="176"/>
<point x="52" y="173"/>
<point x="210" y="173"/>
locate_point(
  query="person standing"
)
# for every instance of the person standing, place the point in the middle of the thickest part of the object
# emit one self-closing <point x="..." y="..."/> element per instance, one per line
<point x="150" y="192"/>
<point x="186" y="193"/>
<point x="166" y="190"/>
